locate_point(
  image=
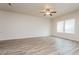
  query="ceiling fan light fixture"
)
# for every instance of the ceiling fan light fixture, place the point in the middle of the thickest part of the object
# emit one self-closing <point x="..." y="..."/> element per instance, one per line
<point x="47" y="13"/>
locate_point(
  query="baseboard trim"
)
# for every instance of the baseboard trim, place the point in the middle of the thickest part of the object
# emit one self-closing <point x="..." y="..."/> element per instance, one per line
<point x="23" y="38"/>
<point x="63" y="38"/>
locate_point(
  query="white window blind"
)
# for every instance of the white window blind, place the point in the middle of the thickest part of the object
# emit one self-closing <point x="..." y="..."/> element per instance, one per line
<point x="70" y="26"/>
<point x="66" y="26"/>
<point x="60" y="26"/>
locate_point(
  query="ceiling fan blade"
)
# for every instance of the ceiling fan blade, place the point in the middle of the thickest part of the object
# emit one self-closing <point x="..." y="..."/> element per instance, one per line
<point x="50" y="14"/>
<point x="53" y="12"/>
<point x="9" y="4"/>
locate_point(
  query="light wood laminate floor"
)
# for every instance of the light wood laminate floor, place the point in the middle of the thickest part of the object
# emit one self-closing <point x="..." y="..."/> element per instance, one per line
<point x="39" y="46"/>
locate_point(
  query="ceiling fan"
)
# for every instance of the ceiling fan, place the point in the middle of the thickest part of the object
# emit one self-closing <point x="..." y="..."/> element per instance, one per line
<point x="47" y="11"/>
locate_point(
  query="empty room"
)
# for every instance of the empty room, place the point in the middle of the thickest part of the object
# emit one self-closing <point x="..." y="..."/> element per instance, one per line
<point x="39" y="28"/>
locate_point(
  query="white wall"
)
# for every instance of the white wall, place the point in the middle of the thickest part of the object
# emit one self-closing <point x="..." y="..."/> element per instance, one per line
<point x="15" y="25"/>
<point x="75" y="36"/>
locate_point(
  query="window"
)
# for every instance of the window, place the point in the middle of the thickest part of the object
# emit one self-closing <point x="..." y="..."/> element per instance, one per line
<point x="66" y="26"/>
<point x="60" y="26"/>
<point x="70" y="26"/>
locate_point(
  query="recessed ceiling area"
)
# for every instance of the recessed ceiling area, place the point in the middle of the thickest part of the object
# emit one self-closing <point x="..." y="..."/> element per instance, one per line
<point x="34" y="8"/>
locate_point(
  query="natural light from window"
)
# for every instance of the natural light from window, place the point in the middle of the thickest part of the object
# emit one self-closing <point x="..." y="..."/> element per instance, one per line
<point x="66" y="26"/>
<point x="70" y="26"/>
<point x="60" y="26"/>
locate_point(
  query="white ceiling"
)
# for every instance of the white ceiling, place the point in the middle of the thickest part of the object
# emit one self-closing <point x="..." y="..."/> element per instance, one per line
<point x="34" y="8"/>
